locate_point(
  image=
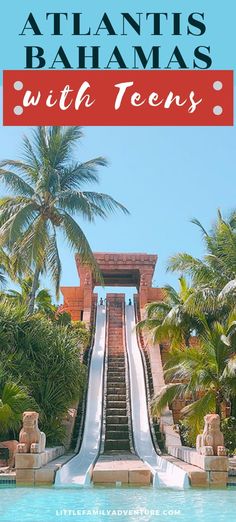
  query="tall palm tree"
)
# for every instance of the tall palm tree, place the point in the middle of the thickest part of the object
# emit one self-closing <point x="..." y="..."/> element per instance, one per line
<point x="206" y="372"/>
<point x="48" y="194"/>
<point x="171" y="319"/>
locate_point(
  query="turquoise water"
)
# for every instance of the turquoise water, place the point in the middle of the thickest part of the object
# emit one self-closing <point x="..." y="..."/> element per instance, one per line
<point x="121" y="504"/>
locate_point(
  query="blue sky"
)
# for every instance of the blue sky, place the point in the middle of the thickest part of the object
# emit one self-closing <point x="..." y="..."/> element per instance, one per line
<point x="165" y="176"/>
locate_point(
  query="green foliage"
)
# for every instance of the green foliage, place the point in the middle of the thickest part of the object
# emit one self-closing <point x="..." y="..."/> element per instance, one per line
<point x="5" y="267"/>
<point x="44" y="358"/>
<point x="206" y="373"/>
<point x="228" y="427"/>
<point x="43" y="299"/>
<point x="82" y="333"/>
<point x="63" y="318"/>
<point x="54" y="430"/>
<point x="14" y="400"/>
<point x="187" y="434"/>
<point x="203" y="372"/>
<point x="213" y="277"/>
<point x="171" y="319"/>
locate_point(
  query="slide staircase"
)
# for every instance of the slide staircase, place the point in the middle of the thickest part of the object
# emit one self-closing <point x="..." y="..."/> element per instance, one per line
<point x="116" y="426"/>
<point x="117" y="421"/>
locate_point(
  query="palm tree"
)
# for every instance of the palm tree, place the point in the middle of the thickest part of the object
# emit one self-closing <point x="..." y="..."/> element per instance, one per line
<point x="215" y="275"/>
<point x="206" y="372"/>
<point x="48" y="194"/>
<point x="43" y="299"/>
<point x="171" y="319"/>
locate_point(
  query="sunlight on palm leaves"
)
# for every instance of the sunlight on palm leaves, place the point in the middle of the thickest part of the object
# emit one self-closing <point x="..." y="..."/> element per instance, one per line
<point x="170" y="319"/>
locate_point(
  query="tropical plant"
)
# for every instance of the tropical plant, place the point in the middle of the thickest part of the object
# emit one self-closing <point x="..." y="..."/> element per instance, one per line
<point x="228" y="427"/>
<point x="48" y="194"/>
<point x="14" y="400"/>
<point x="5" y="267"/>
<point x="82" y="334"/>
<point x="204" y="374"/>
<point x="45" y="359"/>
<point x="43" y="299"/>
<point x="170" y="319"/>
<point x="214" y="276"/>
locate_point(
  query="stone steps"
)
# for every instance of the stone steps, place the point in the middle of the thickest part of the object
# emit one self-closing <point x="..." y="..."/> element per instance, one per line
<point x="115" y="412"/>
<point x="119" y="427"/>
<point x="115" y="374"/>
<point x="115" y="397"/>
<point x="118" y="444"/>
<point x="117" y="430"/>
<point x="116" y="404"/>
<point x="117" y="368"/>
<point x="117" y="434"/>
<point x="116" y="360"/>
<point x="117" y="419"/>
<point x="118" y="379"/>
<point x="124" y="468"/>
<point x="116" y="389"/>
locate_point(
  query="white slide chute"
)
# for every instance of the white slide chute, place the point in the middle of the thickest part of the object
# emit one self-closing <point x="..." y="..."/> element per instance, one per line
<point x="165" y="473"/>
<point x="78" y="471"/>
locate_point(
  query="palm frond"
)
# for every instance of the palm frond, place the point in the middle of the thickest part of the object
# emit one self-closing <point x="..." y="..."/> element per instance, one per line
<point x="229" y="289"/>
<point x="14" y="227"/>
<point x="166" y="396"/>
<point x="198" y="409"/>
<point x="53" y="262"/>
<point x="78" y="203"/>
<point x="105" y="202"/>
<point x="16" y="183"/>
<point x="196" y="222"/>
<point x="79" y="243"/>
<point x="77" y="175"/>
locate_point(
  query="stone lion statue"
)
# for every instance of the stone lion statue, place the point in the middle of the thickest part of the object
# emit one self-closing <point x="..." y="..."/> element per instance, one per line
<point x="31" y="439"/>
<point x="211" y="441"/>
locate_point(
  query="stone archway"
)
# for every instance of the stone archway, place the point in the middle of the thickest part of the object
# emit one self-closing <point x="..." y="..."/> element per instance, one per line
<point x="117" y="269"/>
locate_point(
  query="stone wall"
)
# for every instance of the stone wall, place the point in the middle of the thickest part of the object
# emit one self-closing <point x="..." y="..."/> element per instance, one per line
<point x="215" y="469"/>
<point x="30" y="467"/>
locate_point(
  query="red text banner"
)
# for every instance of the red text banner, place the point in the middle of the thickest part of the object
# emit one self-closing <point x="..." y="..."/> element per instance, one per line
<point x="181" y="98"/>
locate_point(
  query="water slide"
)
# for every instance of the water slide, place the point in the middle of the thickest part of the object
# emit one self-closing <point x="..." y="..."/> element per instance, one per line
<point x="165" y="473"/>
<point x="79" y="469"/>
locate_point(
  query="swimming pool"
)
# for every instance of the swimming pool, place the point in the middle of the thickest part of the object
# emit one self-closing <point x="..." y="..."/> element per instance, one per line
<point x="98" y="504"/>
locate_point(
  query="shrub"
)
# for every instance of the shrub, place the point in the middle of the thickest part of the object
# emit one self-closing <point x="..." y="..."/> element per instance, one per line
<point x="228" y="427"/>
<point x="44" y="359"/>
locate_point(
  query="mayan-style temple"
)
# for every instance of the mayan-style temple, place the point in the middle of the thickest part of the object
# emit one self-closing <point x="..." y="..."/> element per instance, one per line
<point x="117" y="438"/>
<point x="117" y="270"/>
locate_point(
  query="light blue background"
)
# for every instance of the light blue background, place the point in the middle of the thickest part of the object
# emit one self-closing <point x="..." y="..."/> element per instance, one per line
<point x="220" y="20"/>
<point x="165" y="176"/>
